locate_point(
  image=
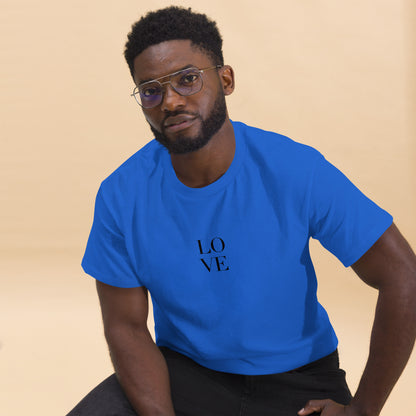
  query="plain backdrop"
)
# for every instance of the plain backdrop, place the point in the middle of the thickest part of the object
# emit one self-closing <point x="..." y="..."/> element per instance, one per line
<point x="337" y="75"/>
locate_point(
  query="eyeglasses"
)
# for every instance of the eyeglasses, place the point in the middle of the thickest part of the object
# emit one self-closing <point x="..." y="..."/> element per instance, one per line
<point x="185" y="82"/>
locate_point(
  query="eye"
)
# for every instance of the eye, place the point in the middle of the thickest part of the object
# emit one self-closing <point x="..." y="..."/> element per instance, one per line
<point x="189" y="79"/>
<point x="150" y="91"/>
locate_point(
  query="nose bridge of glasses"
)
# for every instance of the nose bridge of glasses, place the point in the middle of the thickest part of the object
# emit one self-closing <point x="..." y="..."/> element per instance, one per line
<point x="170" y="97"/>
<point x="164" y="87"/>
<point x="168" y="80"/>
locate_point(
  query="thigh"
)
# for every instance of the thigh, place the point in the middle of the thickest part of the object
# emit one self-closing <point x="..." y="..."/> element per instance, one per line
<point x="285" y="394"/>
<point x="199" y="391"/>
<point x="107" y="399"/>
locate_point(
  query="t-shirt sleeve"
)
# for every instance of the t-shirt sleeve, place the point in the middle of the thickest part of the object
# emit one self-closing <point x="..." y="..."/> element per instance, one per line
<point x="106" y="257"/>
<point x="342" y="218"/>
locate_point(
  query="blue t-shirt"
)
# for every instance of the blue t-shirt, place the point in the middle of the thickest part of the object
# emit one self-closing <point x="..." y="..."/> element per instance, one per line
<point x="228" y="265"/>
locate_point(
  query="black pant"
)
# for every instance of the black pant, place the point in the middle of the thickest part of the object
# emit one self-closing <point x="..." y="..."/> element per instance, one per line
<point x="198" y="391"/>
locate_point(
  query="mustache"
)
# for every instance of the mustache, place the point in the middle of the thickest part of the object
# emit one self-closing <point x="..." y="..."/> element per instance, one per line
<point x="178" y="113"/>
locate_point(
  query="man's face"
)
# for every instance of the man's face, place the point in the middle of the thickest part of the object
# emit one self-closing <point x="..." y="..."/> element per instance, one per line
<point x="182" y="124"/>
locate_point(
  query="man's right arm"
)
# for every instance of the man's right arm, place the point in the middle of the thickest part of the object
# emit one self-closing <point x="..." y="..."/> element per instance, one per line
<point x="139" y="365"/>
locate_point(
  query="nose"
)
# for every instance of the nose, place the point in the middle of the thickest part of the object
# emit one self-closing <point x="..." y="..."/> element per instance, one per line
<point x="171" y="100"/>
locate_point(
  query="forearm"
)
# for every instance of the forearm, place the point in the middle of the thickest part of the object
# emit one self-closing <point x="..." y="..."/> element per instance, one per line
<point x="142" y="371"/>
<point x="389" y="266"/>
<point x="392" y="340"/>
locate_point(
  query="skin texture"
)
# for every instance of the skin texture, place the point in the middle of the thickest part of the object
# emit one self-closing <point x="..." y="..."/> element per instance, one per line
<point x="389" y="266"/>
<point x="206" y="165"/>
<point x="138" y="362"/>
<point x="209" y="126"/>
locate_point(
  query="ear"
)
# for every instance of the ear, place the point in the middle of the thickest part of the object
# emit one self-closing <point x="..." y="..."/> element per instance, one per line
<point x="226" y="74"/>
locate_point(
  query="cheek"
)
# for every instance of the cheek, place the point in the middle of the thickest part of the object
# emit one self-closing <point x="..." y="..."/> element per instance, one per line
<point x="216" y="89"/>
<point x="207" y="102"/>
<point x="151" y="119"/>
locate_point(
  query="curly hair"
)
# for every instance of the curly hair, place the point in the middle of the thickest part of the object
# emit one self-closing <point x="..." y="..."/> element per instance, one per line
<point x="173" y="23"/>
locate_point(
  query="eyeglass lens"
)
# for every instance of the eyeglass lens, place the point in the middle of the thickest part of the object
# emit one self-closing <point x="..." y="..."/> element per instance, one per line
<point x="186" y="82"/>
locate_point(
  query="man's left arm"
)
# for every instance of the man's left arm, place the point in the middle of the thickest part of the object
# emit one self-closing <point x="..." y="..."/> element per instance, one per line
<point x="389" y="266"/>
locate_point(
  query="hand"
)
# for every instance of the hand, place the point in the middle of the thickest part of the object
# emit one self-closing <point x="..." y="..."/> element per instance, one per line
<point x="327" y="408"/>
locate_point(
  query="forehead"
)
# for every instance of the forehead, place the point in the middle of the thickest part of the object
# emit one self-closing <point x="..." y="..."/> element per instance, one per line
<point x="167" y="57"/>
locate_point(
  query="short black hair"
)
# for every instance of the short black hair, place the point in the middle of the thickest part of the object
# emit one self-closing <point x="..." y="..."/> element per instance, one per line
<point x="173" y="23"/>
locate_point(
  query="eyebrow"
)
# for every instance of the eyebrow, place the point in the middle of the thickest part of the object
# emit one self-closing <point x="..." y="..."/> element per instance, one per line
<point x="164" y="76"/>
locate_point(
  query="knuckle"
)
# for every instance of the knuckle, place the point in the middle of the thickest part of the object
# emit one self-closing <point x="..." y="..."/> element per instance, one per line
<point x="310" y="403"/>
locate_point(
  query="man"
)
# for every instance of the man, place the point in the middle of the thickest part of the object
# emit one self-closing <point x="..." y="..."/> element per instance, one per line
<point x="213" y="218"/>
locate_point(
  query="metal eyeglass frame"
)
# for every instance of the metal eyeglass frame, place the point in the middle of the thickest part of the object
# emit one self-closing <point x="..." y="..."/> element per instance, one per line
<point x="136" y="90"/>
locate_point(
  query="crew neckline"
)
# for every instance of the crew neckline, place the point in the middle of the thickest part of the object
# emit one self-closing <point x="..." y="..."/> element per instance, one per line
<point x="221" y="182"/>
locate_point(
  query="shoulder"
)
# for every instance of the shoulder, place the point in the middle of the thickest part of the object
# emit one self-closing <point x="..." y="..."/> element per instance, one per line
<point x="135" y="171"/>
<point x="276" y="149"/>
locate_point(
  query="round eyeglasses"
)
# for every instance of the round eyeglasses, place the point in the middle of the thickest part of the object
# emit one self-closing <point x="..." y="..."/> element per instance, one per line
<point x="186" y="82"/>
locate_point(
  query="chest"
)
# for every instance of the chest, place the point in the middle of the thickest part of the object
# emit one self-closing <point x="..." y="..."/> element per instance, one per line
<point x="224" y="240"/>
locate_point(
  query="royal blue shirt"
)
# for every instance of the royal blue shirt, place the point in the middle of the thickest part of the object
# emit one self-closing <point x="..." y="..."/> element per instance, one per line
<point x="228" y="265"/>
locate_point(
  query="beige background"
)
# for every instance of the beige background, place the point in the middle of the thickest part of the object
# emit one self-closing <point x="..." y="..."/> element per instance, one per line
<point x="338" y="75"/>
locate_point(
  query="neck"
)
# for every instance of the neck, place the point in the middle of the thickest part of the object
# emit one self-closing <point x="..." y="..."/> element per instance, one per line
<point x="206" y="165"/>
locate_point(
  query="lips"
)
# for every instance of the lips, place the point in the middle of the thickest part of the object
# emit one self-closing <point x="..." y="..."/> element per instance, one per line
<point x="179" y="122"/>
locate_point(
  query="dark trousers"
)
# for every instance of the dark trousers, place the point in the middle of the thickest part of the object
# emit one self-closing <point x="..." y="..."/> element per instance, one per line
<point x="198" y="391"/>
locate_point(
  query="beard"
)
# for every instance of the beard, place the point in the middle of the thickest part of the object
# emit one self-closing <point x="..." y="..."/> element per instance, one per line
<point x="183" y="144"/>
